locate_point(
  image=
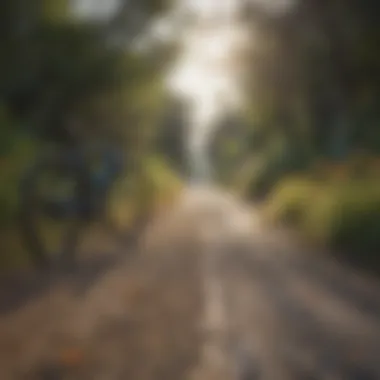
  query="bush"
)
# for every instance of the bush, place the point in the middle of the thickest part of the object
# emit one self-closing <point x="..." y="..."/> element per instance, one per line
<point x="145" y="193"/>
<point x="12" y="167"/>
<point x="347" y="217"/>
<point x="341" y="215"/>
<point x="290" y="200"/>
<point x="137" y="194"/>
<point x="13" y="162"/>
<point x="359" y="167"/>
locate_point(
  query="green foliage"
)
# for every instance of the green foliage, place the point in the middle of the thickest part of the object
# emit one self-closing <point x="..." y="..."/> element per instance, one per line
<point x="347" y="217"/>
<point x="148" y="191"/>
<point x="61" y="80"/>
<point x="315" y="80"/>
<point x="13" y="164"/>
<point x="291" y="199"/>
<point x="6" y="131"/>
<point x="55" y="11"/>
<point x="277" y="157"/>
<point x="51" y="73"/>
<point x="342" y="215"/>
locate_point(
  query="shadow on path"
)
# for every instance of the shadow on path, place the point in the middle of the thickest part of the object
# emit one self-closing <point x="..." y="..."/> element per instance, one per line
<point x="19" y="289"/>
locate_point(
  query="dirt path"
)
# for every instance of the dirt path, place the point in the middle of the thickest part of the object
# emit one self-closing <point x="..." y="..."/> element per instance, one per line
<point x="283" y="312"/>
<point x="290" y="318"/>
<point x="121" y="318"/>
<point x="210" y="295"/>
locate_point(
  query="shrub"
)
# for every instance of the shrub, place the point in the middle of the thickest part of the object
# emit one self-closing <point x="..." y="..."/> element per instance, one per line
<point x="152" y="188"/>
<point x="12" y="164"/>
<point x="290" y="200"/>
<point x="342" y="215"/>
<point x="347" y="217"/>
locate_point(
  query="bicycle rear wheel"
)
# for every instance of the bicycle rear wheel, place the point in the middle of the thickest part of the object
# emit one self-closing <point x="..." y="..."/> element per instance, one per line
<point x="51" y="224"/>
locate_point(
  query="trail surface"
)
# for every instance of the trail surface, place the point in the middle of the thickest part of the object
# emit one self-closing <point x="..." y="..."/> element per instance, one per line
<point x="208" y="294"/>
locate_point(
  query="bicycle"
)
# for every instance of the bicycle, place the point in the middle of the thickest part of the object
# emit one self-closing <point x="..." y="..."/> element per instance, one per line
<point x="69" y="187"/>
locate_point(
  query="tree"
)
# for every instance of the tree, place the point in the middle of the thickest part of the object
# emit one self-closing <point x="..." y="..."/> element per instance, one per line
<point x="315" y="82"/>
<point x="54" y="66"/>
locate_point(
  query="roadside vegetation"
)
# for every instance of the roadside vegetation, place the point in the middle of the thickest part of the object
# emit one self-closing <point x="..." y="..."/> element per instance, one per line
<point x="60" y="70"/>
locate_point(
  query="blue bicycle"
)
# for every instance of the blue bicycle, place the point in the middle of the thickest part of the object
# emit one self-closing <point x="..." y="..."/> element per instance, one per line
<point x="60" y="195"/>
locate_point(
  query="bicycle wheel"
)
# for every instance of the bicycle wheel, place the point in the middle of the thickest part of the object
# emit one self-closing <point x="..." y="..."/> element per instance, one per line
<point x="51" y="214"/>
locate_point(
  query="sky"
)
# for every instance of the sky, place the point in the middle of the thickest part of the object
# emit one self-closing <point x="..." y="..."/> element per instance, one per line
<point x="203" y="8"/>
<point x="210" y="68"/>
<point x="207" y="71"/>
<point x="97" y="9"/>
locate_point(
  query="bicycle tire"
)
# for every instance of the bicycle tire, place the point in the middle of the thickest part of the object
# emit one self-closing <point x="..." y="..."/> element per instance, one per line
<point x="32" y="239"/>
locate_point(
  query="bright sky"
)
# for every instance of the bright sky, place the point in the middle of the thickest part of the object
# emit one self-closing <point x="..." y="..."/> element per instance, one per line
<point x="212" y="8"/>
<point x="97" y="9"/>
<point x="220" y="8"/>
<point x="209" y="63"/>
<point x="203" y="8"/>
<point x="208" y="71"/>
